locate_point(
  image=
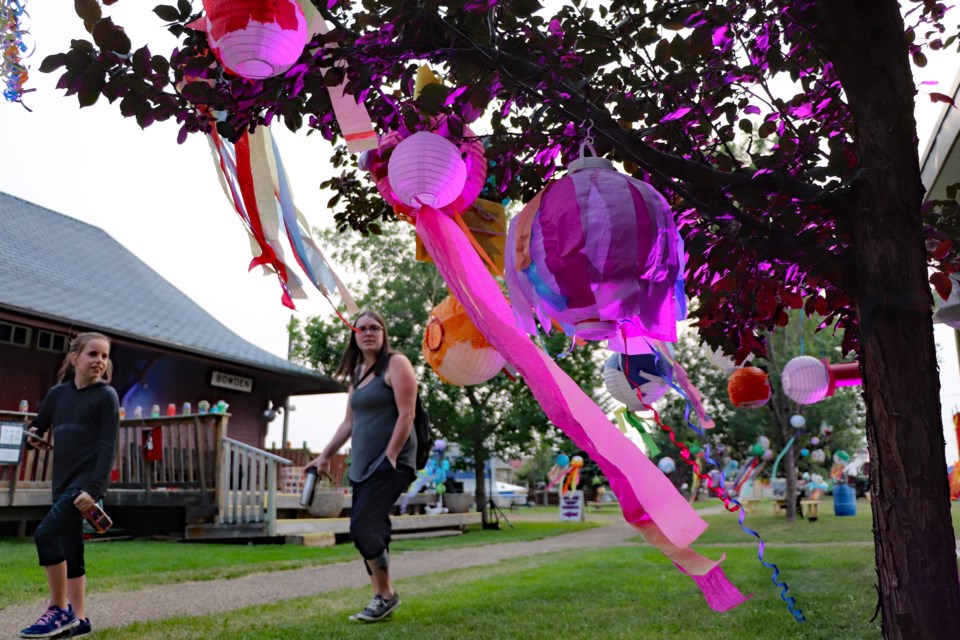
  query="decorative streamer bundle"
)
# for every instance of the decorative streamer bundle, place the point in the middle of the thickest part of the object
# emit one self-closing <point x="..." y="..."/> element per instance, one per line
<point x="12" y="70"/>
<point x="559" y="470"/>
<point x="573" y="477"/>
<point x="435" y="471"/>
<point x="252" y="176"/>
<point x="730" y="503"/>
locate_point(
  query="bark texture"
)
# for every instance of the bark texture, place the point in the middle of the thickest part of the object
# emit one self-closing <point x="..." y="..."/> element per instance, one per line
<point x="916" y="552"/>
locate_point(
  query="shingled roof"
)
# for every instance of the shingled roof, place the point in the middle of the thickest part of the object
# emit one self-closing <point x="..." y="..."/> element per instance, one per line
<point x="46" y="259"/>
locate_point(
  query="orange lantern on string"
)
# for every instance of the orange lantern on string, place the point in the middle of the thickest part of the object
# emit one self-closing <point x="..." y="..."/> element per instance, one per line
<point x="749" y="387"/>
<point x="454" y="348"/>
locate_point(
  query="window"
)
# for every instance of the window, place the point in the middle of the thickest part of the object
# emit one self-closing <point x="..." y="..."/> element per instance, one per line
<point x="14" y="334"/>
<point x="49" y="341"/>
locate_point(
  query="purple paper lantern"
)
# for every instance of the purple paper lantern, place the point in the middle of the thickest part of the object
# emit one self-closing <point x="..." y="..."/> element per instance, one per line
<point x="596" y="251"/>
<point x="255" y="40"/>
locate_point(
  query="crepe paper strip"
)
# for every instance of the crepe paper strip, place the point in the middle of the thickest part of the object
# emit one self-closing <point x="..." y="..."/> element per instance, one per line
<point x="252" y="176"/>
<point x="12" y="70"/>
<point x="651" y="504"/>
<point x="556" y="474"/>
<point x="573" y="479"/>
<point x="353" y="118"/>
<point x="776" y="463"/>
<point x="717" y="589"/>
<point x="638" y="424"/>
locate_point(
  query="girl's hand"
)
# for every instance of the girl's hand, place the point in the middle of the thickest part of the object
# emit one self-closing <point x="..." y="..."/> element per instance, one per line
<point x="84" y="502"/>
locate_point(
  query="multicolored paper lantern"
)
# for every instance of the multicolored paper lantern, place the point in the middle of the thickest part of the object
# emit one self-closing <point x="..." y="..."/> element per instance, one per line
<point x="596" y="252"/>
<point x="624" y="374"/>
<point x="454" y="348"/>
<point x="471" y="154"/>
<point x="749" y="387"/>
<point x="807" y="380"/>
<point x="719" y="359"/>
<point x="255" y="40"/>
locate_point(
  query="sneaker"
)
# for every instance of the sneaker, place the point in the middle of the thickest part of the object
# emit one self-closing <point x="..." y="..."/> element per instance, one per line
<point x="82" y="628"/>
<point x="52" y="623"/>
<point x="378" y="609"/>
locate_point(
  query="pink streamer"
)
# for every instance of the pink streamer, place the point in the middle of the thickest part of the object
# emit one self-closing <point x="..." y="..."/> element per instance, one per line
<point x="651" y="504"/>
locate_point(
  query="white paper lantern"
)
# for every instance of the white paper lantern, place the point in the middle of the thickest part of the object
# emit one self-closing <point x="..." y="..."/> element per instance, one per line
<point x="426" y="170"/>
<point x="464" y="365"/>
<point x="652" y="386"/>
<point x="805" y="380"/>
<point x="797" y="421"/>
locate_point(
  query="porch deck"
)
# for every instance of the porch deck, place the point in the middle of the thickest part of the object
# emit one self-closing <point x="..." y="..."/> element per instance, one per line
<point x="226" y="489"/>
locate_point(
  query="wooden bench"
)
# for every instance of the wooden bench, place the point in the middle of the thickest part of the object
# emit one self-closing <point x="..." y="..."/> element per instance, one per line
<point x="751" y="505"/>
<point x="811" y="509"/>
<point x="779" y="506"/>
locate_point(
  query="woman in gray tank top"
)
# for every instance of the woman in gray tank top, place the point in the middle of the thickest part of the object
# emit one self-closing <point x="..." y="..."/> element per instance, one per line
<point x="379" y="422"/>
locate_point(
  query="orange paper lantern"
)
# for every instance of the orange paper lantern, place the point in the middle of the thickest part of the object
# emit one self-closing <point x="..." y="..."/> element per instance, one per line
<point x="749" y="387"/>
<point x="454" y="348"/>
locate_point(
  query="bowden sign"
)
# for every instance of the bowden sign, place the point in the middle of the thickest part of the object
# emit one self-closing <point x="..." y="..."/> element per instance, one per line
<point x="228" y="381"/>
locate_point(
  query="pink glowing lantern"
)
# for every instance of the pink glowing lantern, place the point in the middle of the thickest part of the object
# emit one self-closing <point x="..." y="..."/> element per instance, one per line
<point x="426" y="170"/>
<point x="807" y="380"/>
<point x="596" y="251"/>
<point x="254" y="40"/>
<point x="471" y="154"/>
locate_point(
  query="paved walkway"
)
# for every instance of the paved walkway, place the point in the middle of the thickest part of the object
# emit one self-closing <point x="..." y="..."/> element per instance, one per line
<point x="118" y="608"/>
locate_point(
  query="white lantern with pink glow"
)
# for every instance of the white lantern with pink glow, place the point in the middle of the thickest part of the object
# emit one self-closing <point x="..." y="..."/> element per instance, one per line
<point x="255" y="40"/>
<point x="426" y="170"/>
<point x="807" y="380"/>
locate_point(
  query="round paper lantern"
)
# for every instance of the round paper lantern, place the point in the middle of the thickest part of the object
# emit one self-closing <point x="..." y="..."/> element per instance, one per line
<point x="576" y="462"/>
<point x="767" y="455"/>
<point x="563" y="459"/>
<point x="596" y="252"/>
<point x="749" y="387"/>
<point x="643" y="371"/>
<point x="667" y="465"/>
<point x="805" y="380"/>
<point x="426" y="170"/>
<point x="815" y="441"/>
<point x="797" y="421"/>
<point x="818" y="456"/>
<point x="255" y="40"/>
<point x="471" y="153"/>
<point x="804" y="452"/>
<point x="455" y="349"/>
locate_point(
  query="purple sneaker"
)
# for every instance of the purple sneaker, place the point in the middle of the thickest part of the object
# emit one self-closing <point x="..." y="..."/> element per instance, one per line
<point x="53" y="622"/>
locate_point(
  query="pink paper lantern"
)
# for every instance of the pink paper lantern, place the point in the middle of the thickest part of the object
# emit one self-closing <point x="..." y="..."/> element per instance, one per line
<point x="596" y="252"/>
<point x="426" y="170"/>
<point x="471" y="151"/>
<point x="807" y="380"/>
<point x="255" y="39"/>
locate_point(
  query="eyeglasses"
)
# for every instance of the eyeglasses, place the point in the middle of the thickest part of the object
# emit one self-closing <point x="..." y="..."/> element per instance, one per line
<point x="373" y="328"/>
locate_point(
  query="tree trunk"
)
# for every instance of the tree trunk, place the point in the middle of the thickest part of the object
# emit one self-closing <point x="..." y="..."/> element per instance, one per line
<point x="915" y="548"/>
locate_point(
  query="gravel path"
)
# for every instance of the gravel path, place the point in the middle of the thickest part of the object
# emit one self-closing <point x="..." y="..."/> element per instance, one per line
<point x="118" y="608"/>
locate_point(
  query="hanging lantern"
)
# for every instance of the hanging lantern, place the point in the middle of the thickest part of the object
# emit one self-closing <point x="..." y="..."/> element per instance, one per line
<point x="643" y="371"/>
<point x="426" y="170"/>
<point x="749" y="387"/>
<point x="471" y="155"/>
<point x="595" y="251"/>
<point x="255" y="40"/>
<point x="807" y="380"/>
<point x="948" y="311"/>
<point x="455" y="350"/>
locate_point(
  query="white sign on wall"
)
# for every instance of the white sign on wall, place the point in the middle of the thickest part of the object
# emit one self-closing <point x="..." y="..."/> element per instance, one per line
<point x="230" y="381"/>
<point x="11" y="439"/>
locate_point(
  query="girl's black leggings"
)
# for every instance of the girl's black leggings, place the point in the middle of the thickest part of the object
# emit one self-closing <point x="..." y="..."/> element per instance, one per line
<point x="59" y="535"/>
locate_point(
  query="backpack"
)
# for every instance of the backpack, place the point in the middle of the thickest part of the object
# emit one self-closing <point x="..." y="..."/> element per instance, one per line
<point x="421" y="427"/>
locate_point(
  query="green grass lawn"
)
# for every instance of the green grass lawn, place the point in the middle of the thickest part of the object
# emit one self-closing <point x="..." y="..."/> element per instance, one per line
<point x="132" y="564"/>
<point x="623" y="592"/>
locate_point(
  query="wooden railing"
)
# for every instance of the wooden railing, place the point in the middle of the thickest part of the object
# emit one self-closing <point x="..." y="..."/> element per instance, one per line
<point x="247" y="489"/>
<point x="188" y="445"/>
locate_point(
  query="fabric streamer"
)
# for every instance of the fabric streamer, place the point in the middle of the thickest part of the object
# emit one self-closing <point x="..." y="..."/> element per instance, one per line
<point x="12" y="69"/>
<point x="252" y="176"/>
<point x="556" y="474"/>
<point x="650" y="502"/>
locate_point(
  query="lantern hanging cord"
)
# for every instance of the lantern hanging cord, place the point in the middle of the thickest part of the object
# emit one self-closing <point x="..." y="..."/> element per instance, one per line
<point x="587" y="142"/>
